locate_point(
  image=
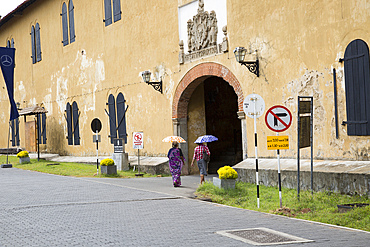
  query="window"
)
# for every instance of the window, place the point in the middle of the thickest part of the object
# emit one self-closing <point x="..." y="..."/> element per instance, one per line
<point x="41" y="127"/>
<point x="10" y="44"/>
<point x="14" y="125"/>
<point x="117" y="117"/>
<point x="68" y="23"/>
<point x="35" y="43"/>
<point x="357" y="86"/>
<point x="108" y="11"/>
<point x="73" y="131"/>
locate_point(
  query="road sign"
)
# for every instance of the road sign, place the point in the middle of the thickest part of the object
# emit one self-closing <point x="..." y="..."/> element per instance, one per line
<point x="138" y="139"/>
<point x="95" y="125"/>
<point x="118" y="145"/>
<point x="254" y="105"/>
<point x="278" y="118"/>
<point x="277" y="142"/>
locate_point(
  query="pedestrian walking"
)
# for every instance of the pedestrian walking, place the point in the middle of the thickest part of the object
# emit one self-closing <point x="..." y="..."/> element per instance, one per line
<point x="176" y="161"/>
<point x="201" y="153"/>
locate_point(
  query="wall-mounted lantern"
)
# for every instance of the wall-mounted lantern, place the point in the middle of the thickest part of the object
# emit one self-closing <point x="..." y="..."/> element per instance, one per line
<point x="157" y="85"/>
<point x="253" y="65"/>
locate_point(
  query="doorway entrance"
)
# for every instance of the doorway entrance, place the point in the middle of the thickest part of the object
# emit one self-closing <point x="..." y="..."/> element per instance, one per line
<point x="221" y="107"/>
<point x="209" y="100"/>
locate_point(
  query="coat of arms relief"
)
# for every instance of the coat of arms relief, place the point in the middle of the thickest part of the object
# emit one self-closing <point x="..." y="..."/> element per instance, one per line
<point x="202" y="36"/>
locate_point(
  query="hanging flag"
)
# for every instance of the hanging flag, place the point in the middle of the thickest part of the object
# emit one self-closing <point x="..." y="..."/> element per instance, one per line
<point x="7" y="67"/>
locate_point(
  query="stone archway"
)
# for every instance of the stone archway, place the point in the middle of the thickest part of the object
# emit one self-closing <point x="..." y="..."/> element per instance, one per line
<point x="184" y="91"/>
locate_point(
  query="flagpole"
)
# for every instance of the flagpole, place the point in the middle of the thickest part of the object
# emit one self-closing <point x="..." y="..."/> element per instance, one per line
<point x="7" y="151"/>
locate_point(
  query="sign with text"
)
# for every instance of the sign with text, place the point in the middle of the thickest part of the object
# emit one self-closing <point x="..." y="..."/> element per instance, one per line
<point x="118" y="145"/>
<point x="138" y="139"/>
<point x="277" y="142"/>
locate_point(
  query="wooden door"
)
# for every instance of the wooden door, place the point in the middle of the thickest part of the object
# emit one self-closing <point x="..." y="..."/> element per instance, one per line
<point x="30" y="138"/>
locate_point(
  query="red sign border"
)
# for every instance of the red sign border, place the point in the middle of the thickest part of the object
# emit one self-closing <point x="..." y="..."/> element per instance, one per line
<point x="270" y="111"/>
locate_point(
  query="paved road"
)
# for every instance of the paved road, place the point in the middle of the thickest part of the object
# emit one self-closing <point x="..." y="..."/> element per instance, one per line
<point x="48" y="210"/>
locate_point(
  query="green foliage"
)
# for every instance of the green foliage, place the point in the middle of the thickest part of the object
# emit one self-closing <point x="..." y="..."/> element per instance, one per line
<point x="66" y="168"/>
<point x="227" y="172"/>
<point x="22" y="154"/>
<point x="107" y="162"/>
<point x="319" y="206"/>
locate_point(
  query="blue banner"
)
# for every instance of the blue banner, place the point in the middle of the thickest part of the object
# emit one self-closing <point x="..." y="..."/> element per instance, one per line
<point x="7" y="67"/>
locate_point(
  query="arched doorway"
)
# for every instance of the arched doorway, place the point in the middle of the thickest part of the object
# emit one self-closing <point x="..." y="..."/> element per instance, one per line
<point x="208" y="100"/>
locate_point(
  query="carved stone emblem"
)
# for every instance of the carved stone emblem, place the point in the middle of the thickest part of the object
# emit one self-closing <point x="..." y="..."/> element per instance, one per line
<point x="202" y="30"/>
<point x="202" y="36"/>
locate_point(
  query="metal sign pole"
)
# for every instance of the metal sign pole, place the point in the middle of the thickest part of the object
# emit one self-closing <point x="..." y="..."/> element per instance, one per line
<point x="97" y="153"/>
<point x="311" y="141"/>
<point x="256" y="152"/>
<point x="279" y="176"/>
<point x="298" y="161"/>
<point x="138" y="161"/>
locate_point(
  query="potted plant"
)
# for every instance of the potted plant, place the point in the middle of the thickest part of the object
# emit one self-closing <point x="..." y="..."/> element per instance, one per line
<point x="23" y="157"/>
<point x="226" y="178"/>
<point x="107" y="167"/>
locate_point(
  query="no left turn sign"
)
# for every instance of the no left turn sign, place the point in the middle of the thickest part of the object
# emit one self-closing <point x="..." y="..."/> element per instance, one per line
<point x="278" y="118"/>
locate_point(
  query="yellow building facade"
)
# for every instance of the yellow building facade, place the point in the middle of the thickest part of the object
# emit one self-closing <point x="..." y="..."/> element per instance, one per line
<point x="188" y="45"/>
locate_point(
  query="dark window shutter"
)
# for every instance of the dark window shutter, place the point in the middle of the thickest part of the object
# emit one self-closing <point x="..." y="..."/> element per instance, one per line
<point x="17" y="131"/>
<point x="38" y="43"/>
<point x="112" y="118"/>
<point x="39" y="128"/>
<point x="108" y="12"/>
<point x="12" y="127"/>
<point x="43" y="124"/>
<point x="71" y="22"/>
<point x="65" y="24"/>
<point x="117" y="10"/>
<point x="121" y="117"/>
<point x="76" y="128"/>
<point x="33" y="44"/>
<point x="69" y="124"/>
<point x="357" y="85"/>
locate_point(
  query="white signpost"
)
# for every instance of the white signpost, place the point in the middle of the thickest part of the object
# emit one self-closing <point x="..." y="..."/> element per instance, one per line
<point x="138" y="142"/>
<point x="254" y="107"/>
<point x="278" y="118"/>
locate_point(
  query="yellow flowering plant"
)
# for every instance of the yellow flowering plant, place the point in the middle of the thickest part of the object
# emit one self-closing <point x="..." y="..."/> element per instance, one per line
<point x="22" y="154"/>
<point x="227" y="172"/>
<point x="107" y="162"/>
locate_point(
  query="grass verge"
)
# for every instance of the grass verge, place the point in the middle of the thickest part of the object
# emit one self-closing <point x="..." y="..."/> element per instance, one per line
<point x="66" y="168"/>
<point x="319" y="206"/>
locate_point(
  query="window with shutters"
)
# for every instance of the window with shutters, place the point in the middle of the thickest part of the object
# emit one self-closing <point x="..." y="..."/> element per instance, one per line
<point x="68" y="23"/>
<point x="14" y="126"/>
<point x="72" y="35"/>
<point x="65" y="24"/>
<point x="117" y="117"/>
<point x="357" y="86"/>
<point x="116" y="16"/>
<point x="36" y="43"/>
<point x="72" y="115"/>
<point x="41" y="127"/>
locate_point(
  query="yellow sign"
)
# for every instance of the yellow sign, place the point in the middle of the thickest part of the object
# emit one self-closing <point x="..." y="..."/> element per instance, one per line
<point x="277" y="142"/>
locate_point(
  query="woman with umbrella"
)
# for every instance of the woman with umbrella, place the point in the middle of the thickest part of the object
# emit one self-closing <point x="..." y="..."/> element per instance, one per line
<point x="200" y="152"/>
<point x="175" y="159"/>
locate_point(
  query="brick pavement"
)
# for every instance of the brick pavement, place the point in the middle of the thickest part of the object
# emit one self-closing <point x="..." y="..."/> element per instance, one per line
<point x="48" y="210"/>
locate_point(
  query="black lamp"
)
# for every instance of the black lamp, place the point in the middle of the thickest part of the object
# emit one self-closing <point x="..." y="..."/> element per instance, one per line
<point x="253" y="66"/>
<point x="157" y="85"/>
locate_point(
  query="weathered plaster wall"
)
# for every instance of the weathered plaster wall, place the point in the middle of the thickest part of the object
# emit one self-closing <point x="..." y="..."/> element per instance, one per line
<point x="196" y="122"/>
<point x="298" y="44"/>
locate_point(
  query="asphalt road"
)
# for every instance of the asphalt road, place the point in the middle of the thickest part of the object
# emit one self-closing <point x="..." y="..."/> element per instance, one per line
<point x="49" y="210"/>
